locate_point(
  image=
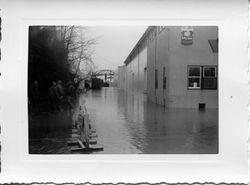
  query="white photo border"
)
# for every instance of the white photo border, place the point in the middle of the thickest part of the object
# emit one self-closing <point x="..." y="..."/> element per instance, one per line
<point x="230" y="165"/>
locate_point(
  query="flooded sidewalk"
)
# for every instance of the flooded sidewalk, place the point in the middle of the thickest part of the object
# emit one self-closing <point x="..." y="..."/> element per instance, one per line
<point x="50" y="131"/>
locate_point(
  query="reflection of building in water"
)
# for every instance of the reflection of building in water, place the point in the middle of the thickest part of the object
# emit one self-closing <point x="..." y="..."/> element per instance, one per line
<point x="153" y="129"/>
<point x="176" y="66"/>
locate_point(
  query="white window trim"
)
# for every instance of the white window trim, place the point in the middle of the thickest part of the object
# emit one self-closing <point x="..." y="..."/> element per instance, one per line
<point x="189" y="87"/>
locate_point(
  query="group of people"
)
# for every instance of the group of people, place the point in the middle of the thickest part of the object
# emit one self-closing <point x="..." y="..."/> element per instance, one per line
<point x="60" y="96"/>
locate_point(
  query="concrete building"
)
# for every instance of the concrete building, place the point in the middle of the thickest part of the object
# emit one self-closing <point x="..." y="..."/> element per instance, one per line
<point x="121" y="77"/>
<point x="175" y="66"/>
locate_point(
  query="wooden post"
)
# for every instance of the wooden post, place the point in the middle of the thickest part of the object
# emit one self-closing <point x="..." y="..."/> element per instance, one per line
<point x="84" y="132"/>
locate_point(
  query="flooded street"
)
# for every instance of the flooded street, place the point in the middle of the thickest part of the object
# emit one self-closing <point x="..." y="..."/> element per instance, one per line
<point x="127" y="123"/>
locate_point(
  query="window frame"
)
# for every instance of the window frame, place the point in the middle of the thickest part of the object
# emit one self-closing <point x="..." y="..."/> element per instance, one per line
<point x="215" y="77"/>
<point x="202" y="67"/>
<point x="188" y="77"/>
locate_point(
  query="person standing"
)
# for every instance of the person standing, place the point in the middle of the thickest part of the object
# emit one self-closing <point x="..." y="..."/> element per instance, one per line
<point x="70" y="95"/>
<point x="60" y="93"/>
<point x="53" y="97"/>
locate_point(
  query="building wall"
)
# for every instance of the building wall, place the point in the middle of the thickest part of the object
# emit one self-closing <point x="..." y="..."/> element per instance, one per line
<point x="199" y="53"/>
<point x="151" y="70"/>
<point x="131" y="74"/>
<point x="134" y="72"/>
<point x="164" y="50"/>
<point x="142" y="66"/>
<point x="158" y="58"/>
<point x="121" y="77"/>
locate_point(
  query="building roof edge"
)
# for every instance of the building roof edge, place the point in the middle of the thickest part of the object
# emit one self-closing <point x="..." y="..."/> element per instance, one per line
<point x="128" y="59"/>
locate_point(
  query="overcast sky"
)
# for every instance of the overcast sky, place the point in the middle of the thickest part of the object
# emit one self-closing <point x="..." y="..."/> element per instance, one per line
<point x="114" y="44"/>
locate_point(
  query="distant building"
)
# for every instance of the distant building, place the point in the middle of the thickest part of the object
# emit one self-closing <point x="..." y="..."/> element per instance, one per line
<point x="121" y="77"/>
<point x="175" y="66"/>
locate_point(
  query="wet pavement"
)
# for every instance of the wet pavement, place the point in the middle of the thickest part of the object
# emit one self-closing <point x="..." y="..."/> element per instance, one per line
<point x="49" y="132"/>
<point x="126" y="123"/>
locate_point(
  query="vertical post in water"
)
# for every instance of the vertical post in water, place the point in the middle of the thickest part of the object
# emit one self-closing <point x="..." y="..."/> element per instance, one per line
<point x="84" y="133"/>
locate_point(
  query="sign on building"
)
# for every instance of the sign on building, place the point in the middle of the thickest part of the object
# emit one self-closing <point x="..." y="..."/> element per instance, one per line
<point x="187" y="35"/>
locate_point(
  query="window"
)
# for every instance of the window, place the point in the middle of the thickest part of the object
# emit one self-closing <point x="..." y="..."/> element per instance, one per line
<point x="209" y="78"/>
<point x="156" y="78"/>
<point x="202" y="77"/>
<point x="164" y="78"/>
<point x="194" y="77"/>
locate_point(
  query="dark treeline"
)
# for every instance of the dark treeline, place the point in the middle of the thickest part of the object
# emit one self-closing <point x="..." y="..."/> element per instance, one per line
<point x="47" y="58"/>
<point x="55" y="53"/>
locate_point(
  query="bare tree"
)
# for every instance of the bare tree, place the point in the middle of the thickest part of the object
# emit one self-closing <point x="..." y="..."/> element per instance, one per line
<point x="79" y="47"/>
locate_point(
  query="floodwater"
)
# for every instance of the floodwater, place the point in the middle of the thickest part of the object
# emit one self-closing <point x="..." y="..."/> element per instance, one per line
<point x="49" y="132"/>
<point x="126" y="123"/>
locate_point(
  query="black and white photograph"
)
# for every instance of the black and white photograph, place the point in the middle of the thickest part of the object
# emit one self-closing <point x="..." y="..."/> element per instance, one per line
<point x="124" y="92"/>
<point x="123" y="89"/>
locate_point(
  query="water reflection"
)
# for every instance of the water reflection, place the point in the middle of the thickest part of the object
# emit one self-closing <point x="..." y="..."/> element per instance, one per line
<point x="127" y="123"/>
<point x="49" y="133"/>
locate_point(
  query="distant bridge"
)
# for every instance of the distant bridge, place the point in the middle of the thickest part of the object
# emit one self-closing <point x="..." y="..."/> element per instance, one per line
<point x="108" y="74"/>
